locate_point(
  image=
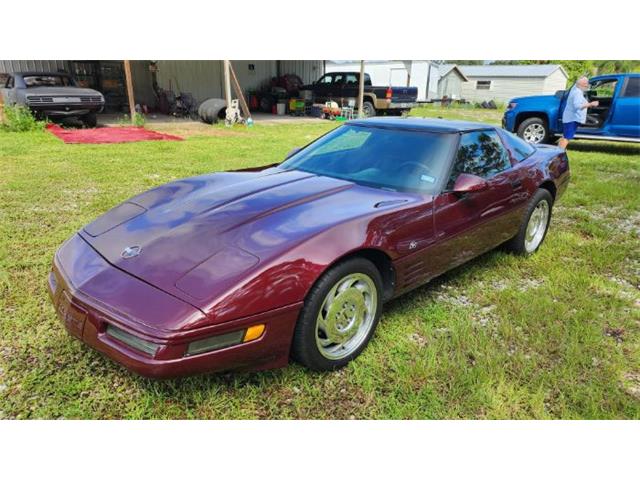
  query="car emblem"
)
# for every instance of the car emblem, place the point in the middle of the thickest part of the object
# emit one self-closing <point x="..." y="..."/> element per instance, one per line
<point x="131" y="252"/>
<point x="413" y="245"/>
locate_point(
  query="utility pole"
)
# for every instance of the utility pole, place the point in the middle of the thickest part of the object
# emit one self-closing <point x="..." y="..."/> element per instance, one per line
<point x="129" y="82"/>
<point x="361" y="91"/>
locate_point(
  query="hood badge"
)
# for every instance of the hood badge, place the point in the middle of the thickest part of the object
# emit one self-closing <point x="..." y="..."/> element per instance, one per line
<point x="131" y="252"/>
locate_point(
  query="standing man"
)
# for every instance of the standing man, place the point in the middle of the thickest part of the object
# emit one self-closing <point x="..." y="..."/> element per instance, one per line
<point x="575" y="111"/>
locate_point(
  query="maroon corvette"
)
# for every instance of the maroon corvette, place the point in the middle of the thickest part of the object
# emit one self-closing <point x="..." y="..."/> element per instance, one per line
<point x="245" y="269"/>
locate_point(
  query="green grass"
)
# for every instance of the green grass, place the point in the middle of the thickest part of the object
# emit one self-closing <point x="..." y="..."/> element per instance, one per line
<point x="555" y="335"/>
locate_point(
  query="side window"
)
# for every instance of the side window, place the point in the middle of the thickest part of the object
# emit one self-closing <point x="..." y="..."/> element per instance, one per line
<point x="518" y="147"/>
<point x="632" y="89"/>
<point x="603" y="88"/>
<point x="338" y="78"/>
<point x="9" y="82"/>
<point x="352" y="79"/>
<point x="480" y="153"/>
<point x="326" y="79"/>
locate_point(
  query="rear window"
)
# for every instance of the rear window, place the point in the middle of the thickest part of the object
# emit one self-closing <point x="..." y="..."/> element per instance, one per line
<point x="519" y="148"/>
<point x="47" y="81"/>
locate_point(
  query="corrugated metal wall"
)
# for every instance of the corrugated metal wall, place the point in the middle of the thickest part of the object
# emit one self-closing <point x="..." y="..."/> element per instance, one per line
<point x="8" y="66"/>
<point x="308" y="70"/>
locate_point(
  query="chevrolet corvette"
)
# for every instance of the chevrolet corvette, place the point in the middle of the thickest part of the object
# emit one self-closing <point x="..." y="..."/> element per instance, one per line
<point x="248" y="269"/>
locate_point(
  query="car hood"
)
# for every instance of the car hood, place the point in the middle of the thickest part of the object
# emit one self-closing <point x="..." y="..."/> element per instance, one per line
<point x="229" y="222"/>
<point x="535" y="99"/>
<point x="68" y="91"/>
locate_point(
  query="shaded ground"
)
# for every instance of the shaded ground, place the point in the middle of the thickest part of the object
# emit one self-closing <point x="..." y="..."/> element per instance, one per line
<point x="556" y="335"/>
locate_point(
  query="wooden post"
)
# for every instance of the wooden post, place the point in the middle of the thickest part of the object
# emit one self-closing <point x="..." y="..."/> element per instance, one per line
<point x="239" y="94"/>
<point x="361" y="91"/>
<point x="426" y="95"/>
<point x="227" y="84"/>
<point x="1" y="109"/>
<point x="129" y="82"/>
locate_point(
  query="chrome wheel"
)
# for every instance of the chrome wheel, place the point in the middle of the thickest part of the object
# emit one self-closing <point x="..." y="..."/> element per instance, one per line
<point x="346" y="316"/>
<point x="537" y="226"/>
<point x="534" y="133"/>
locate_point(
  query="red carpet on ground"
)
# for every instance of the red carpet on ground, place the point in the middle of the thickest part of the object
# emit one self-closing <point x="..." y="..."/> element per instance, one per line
<point x="108" y="134"/>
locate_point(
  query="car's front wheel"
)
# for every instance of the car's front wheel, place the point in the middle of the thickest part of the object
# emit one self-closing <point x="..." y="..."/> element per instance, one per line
<point x="339" y="316"/>
<point x="534" y="130"/>
<point x="90" y="120"/>
<point x="535" y="224"/>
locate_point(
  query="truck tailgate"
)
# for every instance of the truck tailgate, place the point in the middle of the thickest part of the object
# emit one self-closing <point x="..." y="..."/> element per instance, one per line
<point x="404" y="94"/>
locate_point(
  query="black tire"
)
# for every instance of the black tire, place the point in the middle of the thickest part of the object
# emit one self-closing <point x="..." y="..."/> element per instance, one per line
<point x="534" y="124"/>
<point x="368" y="109"/>
<point x="304" y="348"/>
<point x="518" y="244"/>
<point x="90" y="120"/>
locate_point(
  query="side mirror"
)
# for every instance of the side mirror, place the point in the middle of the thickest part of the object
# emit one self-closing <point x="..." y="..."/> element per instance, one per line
<point x="466" y="183"/>
<point x="292" y="152"/>
<point x="559" y="94"/>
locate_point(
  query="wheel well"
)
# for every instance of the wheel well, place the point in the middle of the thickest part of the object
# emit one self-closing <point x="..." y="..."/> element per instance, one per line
<point x="384" y="265"/>
<point x="521" y="117"/>
<point x="551" y="187"/>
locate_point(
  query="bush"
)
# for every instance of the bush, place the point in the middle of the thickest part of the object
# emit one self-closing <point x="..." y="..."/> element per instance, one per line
<point x="18" y="118"/>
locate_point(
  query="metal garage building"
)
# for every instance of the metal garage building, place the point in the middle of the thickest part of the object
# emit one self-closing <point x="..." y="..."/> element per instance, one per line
<point x="201" y="78"/>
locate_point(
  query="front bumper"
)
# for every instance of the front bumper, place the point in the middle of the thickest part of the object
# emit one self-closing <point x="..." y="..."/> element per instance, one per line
<point x="89" y="294"/>
<point x="509" y="120"/>
<point x="61" y="111"/>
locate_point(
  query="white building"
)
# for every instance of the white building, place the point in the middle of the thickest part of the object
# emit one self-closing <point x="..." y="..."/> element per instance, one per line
<point x="414" y="73"/>
<point x="503" y="82"/>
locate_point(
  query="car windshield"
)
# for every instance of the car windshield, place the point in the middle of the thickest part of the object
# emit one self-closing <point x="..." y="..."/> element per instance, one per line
<point x="380" y="157"/>
<point x="47" y="81"/>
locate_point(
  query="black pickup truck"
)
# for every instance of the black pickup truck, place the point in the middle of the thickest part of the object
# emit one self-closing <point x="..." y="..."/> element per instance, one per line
<point x="342" y="87"/>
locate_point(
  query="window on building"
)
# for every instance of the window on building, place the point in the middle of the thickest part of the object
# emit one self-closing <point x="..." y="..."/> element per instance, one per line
<point x="483" y="85"/>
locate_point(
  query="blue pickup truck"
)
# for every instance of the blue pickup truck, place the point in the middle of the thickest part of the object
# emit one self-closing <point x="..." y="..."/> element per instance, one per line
<point x="538" y="119"/>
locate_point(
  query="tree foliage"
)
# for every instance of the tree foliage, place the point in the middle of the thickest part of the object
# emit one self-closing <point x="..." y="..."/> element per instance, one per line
<point x="576" y="68"/>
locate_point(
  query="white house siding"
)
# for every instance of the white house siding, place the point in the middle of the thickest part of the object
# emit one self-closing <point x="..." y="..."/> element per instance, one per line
<point x="450" y="85"/>
<point x="394" y="73"/>
<point x="502" y="88"/>
<point x="554" y="82"/>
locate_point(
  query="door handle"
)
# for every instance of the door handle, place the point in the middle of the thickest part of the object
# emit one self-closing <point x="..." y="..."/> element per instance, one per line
<point x="515" y="184"/>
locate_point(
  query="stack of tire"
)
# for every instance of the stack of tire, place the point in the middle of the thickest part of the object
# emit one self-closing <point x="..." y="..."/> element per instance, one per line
<point x="212" y="110"/>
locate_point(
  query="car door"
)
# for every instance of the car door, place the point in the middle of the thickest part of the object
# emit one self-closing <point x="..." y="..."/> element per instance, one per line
<point x="322" y="88"/>
<point x="470" y="224"/>
<point x="350" y="88"/>
<point x="625" y="118"/>
<point x="598" y="118"/>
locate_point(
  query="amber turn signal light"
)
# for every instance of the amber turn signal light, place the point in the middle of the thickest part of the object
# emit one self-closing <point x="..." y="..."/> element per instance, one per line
<point x="253" y="332"/>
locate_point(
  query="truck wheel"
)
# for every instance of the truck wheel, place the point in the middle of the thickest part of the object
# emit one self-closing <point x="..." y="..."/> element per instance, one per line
<point x="368" y="109"/>
<point x="534" y="130"/>
<point x="90" y="120"/>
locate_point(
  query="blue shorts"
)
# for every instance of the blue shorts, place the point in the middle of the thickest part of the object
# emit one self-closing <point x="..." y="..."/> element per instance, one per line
<point x="569" y="130"/>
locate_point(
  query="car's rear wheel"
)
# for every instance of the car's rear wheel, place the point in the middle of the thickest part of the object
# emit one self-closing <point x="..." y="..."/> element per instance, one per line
<point x="533" y="229"/>
<point x="534" y="130"/>
<point x="339" y="316"/>
<point x="368" y="109"/>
